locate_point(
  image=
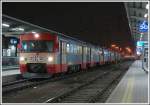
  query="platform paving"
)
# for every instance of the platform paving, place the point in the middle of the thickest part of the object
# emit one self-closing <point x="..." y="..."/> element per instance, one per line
<point x="133" y="87"/>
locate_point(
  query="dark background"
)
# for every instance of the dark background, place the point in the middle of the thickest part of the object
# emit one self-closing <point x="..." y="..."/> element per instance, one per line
<point x="98" y="22"/>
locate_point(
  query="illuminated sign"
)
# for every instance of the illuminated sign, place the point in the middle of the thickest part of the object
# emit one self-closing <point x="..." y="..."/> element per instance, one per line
<point x="143" y="26"/>
<point x="13" y="41"/>
<point x="140" y="43"/>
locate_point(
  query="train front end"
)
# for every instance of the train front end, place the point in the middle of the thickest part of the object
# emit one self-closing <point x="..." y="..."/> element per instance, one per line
<point x="37" y="55"/>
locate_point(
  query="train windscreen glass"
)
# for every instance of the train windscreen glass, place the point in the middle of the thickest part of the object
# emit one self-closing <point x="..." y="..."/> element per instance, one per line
<point x="37" y="46"/>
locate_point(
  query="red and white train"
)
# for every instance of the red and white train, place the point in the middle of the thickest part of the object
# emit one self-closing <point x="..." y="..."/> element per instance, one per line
<point x="45" y="54"/>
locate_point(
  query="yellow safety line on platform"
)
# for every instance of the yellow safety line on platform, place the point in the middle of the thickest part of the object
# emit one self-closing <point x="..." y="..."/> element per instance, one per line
<point x="127" y="98"/>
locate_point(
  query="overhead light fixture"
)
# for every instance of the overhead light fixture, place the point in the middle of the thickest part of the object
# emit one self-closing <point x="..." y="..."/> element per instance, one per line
<point x="33" y="32"/>
<point x="128" y="49"/>
<point x="146" y="15"/>
<point x="117" y="47"/>
<point x="120" y="49"/>
<point x="147" y="6"/>
<point x="113" y="45"/>
<point x="20" y="29"/>
<point x="17" y="29"/>
<point x="5" y="25"/>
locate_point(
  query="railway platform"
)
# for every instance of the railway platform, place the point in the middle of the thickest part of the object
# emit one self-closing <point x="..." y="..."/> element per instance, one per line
<point x="5" y="68"/>
<point x="133" y="87"/>
<point x="10" y="72"/>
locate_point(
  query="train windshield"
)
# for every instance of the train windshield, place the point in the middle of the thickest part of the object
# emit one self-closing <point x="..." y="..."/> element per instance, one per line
<point x="37" y="46"/>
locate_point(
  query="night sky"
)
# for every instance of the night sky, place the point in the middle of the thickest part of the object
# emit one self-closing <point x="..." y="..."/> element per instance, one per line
<point x="99" y="23"/>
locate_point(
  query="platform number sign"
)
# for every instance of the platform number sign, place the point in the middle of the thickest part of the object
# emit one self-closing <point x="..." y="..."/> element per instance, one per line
<point x="143" y="26"/>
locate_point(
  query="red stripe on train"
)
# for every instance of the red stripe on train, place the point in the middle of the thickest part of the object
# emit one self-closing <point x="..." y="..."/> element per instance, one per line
<point x="56" y="68"/>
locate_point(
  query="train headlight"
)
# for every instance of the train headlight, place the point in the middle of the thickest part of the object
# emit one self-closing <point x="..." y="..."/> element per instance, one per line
<point x="50" y="59"/>
<point x="36" y="35"/>
<point x="22" y="58"/>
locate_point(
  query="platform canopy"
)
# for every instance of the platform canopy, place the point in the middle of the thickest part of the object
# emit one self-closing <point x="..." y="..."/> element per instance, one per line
<point x="137" y="12"/>
<point x="15" y="27"/>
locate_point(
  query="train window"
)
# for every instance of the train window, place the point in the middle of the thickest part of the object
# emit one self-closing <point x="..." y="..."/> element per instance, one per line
<point x="94" y="51"/>
<point x="88" y="50"/>
<point x="97" y="51"/>
<point x="75" y="49"/>
<point x="68" y="47"/>
<point x="85" y="50"/>
<point x="37" y="45"/>
<point x="71" y="48"/>
<point x="63" y="47"/>
<point x="100" y="51"/>
<point x="105" y="52"/>
<point x="80" y="49"/>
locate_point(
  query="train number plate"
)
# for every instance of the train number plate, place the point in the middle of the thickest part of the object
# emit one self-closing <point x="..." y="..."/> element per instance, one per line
<point x="36" y="59"/>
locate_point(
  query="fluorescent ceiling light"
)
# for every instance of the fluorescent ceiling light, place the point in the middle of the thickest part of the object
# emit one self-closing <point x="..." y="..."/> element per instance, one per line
<point x="146" y="15"/>
<point x="17" y="29"/>
<point x="21" y="29"/>
<point x="34" y="32"/>
<point x="5" y="25"/>
<point x="147" y="6"/>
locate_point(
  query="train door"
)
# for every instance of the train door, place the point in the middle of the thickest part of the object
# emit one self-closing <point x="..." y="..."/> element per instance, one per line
<point x="84" y="54"/>
<point x="89" y="56"/>
<point x="90" y="60"/>
<point x="102" y="55"/>
<point x="92" y="57"/>
<point x="110" y="54"/>
<point x="63" y="65"/>
<point x="105" y="56"/>
<point x="99" y="56"/>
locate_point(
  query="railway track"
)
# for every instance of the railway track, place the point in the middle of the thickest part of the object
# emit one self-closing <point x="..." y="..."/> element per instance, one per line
<point x="90" y="91"/>
<point x="60" y="90"/>
<point x="27" y="83"/>
<point x="18" y="85"/>
<point x="14" y="82"/>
